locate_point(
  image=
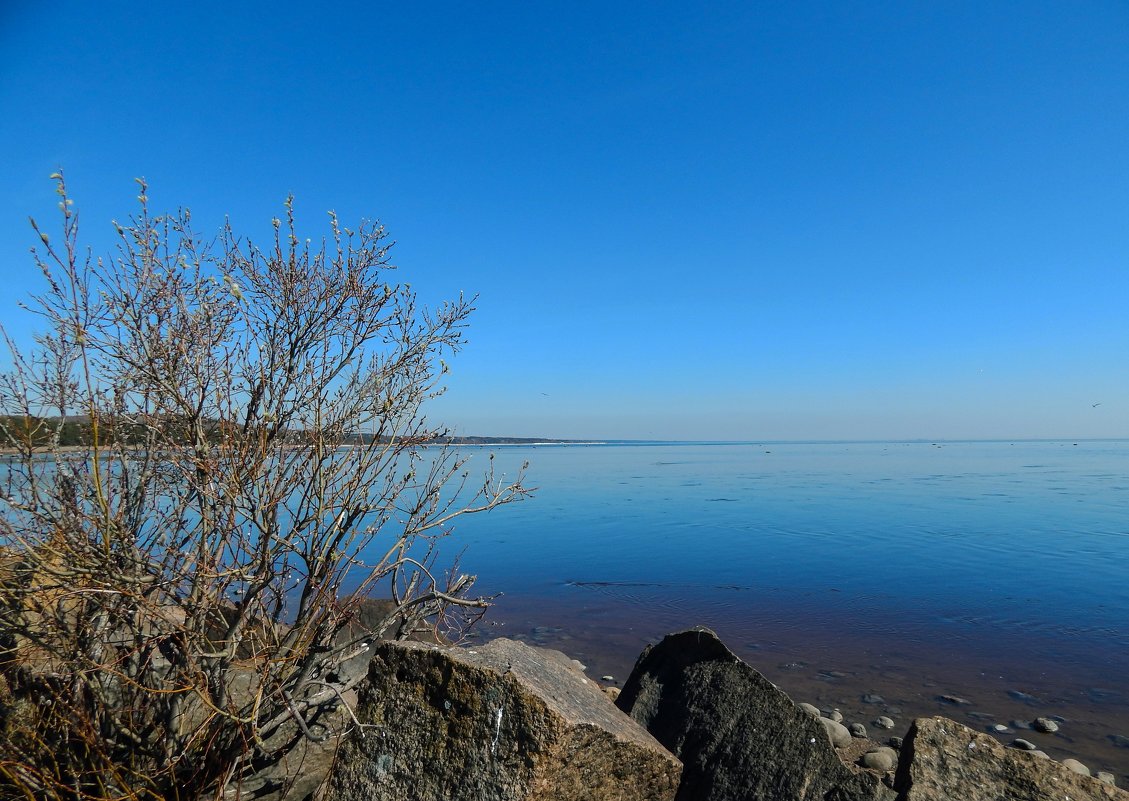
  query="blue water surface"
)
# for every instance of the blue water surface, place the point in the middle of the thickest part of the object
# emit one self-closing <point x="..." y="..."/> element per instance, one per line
<point x="922" y="541"/>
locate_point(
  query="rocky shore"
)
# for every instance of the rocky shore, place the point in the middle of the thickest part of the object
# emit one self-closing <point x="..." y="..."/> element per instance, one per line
<point x="509" y="721"/>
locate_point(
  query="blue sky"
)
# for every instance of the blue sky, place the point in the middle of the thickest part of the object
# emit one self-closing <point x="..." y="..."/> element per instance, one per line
<point x="687" y="221"/>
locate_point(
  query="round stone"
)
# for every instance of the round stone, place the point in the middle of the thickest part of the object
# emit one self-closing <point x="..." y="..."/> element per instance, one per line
<point x="1076" y="766"/>
<point x="857" y="730"/>
<point x="999" y="728"/>
<point x="810" y="709"/>
<point x="953" y="700"/>
<point x="1023" y="745"/>
<point x="1107" y="777"/>
<point x="884" y="723"/>
<point x="836" y="732"/>
<point x="1045" y="725"/>
<point x="836" y="716"/>
<point x="872" y="698"/>
<point x="894" y="742"/>
<point x="607" y="678"/>
<point x="882" y="759"/>
<point x="1040" y="753"/>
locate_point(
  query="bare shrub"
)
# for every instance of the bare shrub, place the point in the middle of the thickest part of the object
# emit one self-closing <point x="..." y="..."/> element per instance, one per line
<point x="178" y="590"/>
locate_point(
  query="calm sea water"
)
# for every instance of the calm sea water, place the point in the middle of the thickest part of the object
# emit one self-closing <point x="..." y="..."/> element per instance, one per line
<point x="994" y="571"/>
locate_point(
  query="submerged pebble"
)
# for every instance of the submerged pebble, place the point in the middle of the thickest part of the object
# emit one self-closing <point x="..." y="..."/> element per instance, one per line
<point x="955" y="700"/>
<point x="1045" y="725"/>
<point x="999" y="728"/>
<point x="873" y="698"/>
<point x="1023" y="745"/>
<point x="884" y="723"/>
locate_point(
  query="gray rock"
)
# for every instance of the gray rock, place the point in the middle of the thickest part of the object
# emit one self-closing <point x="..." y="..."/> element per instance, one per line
<point x="882" y="759"/>
<point x="1120" y="740"/>
<point x="811" y="709"/>
<point x="837" y="733"/>
<point x="857" y="730"/>
<point x="1023" y="745"/>
<point x="834" y="715"/>
<point x="1045" y="725"/>
<point x="943" y="760"/>
<point x="999" y="728"/>
<point x="1026" y="698"/>
<point x="884" y="722"/>
<point x="1107" y="777"/>
<point x="738" y="736"/>
<point x="895" y="743"/>
<point x="871" y="698"/>
<point x="1076" y="766"/>
<point x="500" y="722"/>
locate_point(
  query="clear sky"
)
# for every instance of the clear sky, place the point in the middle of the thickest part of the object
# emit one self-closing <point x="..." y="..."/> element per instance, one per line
<point x="683" y="220"/>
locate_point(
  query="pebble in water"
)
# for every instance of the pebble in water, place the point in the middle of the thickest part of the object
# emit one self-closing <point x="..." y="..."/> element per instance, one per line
<point x="1045" y="725"/>
<point x="1120" y="740"/>
<point x="835" y="715"/>
<point x="999" y="728"/>
<point x="1023" y="745"/>
<point x="1026" y="698"/>
<point x="872" y="698"/>
<point x="884" y="723"/>
<point x="857" y="730"/>
<point x="607" y="678"/>
<point x="1020" y="724"/>
<point x="1103" y="696"/>
<point x="955" y="700"/>
<point x="895" y="742"/>
<point x="1107" y="777"/>
<point x="810" y="709"/>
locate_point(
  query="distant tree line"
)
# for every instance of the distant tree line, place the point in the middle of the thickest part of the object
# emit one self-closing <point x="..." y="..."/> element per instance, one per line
<point x="78" y="430"/>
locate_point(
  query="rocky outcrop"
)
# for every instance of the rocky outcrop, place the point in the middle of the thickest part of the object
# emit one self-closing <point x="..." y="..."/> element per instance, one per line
<point x="499" y="722"/>
<point x="738" y="736"/>
<point x="943" y="760"/>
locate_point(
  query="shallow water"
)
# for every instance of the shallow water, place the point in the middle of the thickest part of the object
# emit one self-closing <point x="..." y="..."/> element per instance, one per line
<point x="993" y="571"/>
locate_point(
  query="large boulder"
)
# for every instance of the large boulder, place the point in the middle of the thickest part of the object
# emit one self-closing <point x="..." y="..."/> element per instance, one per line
<point x="738" y="736"/>
<point x="942" y="760"/>
<point x="499" y="722"/>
